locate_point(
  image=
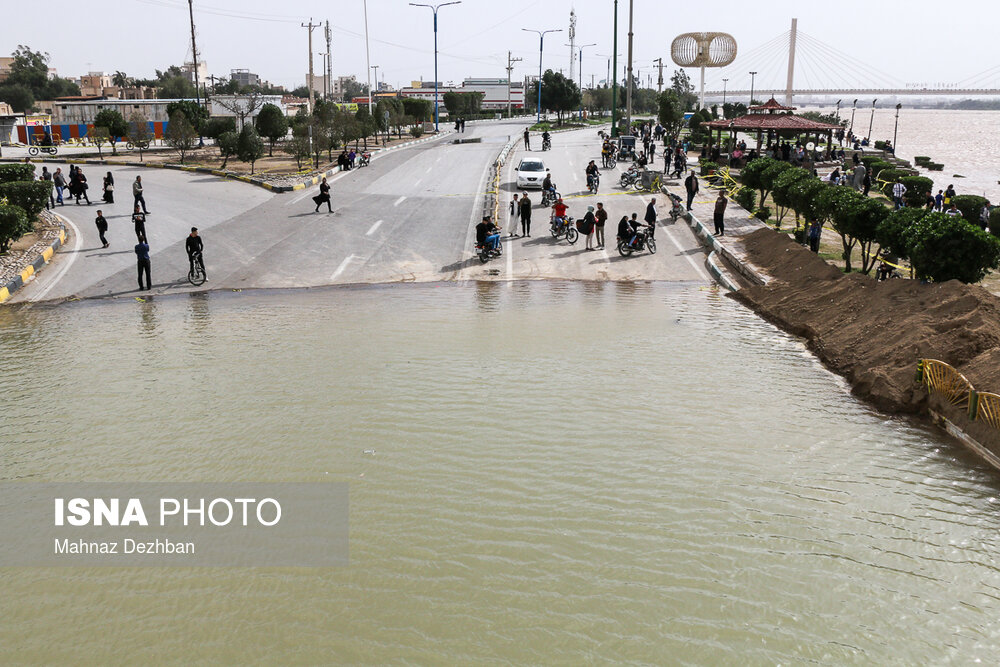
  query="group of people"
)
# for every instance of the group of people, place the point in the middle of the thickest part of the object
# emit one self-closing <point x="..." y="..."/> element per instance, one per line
<point x="346" y="159"/>
<point x="460" y="125"/>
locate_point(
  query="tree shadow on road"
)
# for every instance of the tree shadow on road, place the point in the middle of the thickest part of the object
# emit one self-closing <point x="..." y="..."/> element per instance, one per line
<point x="108" y="254"/>
<point x="464" y="264"/>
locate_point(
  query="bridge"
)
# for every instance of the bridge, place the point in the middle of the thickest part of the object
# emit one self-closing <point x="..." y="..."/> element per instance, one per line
<point x="823" y="69"/>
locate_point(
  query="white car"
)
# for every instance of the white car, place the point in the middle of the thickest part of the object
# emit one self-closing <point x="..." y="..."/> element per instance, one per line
<point x="530" y="173"/>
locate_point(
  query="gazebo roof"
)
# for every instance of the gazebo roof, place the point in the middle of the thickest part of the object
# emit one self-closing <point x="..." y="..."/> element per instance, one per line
<point x="771" y="106"/>
<point x="755" y="122"/>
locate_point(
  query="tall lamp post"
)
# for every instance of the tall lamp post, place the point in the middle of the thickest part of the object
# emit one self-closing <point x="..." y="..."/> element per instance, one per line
<point x="896" y="129"/>
<point x="614" y="81"/>
<point x="541" y="45"/>
<point x="752" y="76"/>
<point x="374" y="67"/>
<point x="854" y="107"/>
<point x="724" y="92"/>
<point x="581" y="76"/>
<point x="433" y="8"/>
<point x="872" y="121"/>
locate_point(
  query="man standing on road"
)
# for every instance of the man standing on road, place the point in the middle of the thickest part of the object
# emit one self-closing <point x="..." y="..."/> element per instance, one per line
<point x="600" y="218"/>
<point x="59" y="181"/>
<point x="193" y="244"/>
<point x="515" y="213"/>
<point x="102" y="227"/>
<point x="691" y="185"/>
<point x="525" y="216"/>
<point x="650" y="217"/>
<point x="720" y="213"/>
<point x="137" y="193"/>
<point x="46" y="176"/>
<point x="142" y="262"/>
<point x="898" y="190"/>
<point x="527" y="140"/>
<point x="140" y="223"/>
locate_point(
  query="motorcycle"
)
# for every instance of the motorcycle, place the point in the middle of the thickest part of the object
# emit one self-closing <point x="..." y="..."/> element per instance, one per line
<point x="365" y="159"/>
<point x="34" y="150"/>
<point x="550" y="197"/>
<point x="546" y="144"/>
<point x="564" y="228"/>
<point x="629" y="178"/>
<point x="593" y="181"/>
<point x="643" y="239"/>
<point x="486" y="254"/>
<point x="677" y="207"/>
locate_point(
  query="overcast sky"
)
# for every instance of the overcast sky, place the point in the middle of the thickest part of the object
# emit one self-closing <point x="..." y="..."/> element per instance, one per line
<point x="918" y="41"/>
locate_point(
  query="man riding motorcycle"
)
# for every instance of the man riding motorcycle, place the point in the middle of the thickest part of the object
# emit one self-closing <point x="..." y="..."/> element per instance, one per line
<point x="559" y="213"/>
<point x="592" y="173"/>
<point x="487" y="234"/>
<point x="546" y="140"/>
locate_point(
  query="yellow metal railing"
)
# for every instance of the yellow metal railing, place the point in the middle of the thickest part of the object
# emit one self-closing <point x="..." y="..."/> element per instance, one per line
<point x="988" y="408"/>
<point x="955" y="388"/>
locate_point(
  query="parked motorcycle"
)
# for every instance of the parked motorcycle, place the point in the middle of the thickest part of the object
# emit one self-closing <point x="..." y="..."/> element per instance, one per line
<point x="365" y="159"/>
<point x="630" y="177"/>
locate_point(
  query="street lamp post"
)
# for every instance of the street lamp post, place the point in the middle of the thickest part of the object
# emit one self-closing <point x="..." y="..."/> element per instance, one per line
<point x="374" y="67"/>
<point x="872" y="121"/>
<point x="614" y="84"/>
<point x="724" y="93"/>
<point x="433" y="8"/>
<point x="854" y="107"/>
<point x="581" y="76"/>
<point x="896" y="129"/>
<point x="541" y="45"/>
<point x="752" y="76"/>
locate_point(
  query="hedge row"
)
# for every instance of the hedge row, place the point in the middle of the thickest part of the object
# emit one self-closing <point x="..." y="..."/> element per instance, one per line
<point x="16" y="172"/>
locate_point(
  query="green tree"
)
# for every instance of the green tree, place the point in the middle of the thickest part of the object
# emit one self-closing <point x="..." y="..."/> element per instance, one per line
<point x="671" y="113"/>
<point x="180" y="134"/>
<point x="227" y="143"/>
<point x="803" y="195"/>
<point x="271" y="123"/>
<point x="298" y="148"/>
<point x="559" y="94"/>
<point x="463" y="104"/>
<point x="681" y="84"/>
<point x="112" y="120"/>
<point x="214" y="127"/>
<point x="249" y="146"/>
<point x="19" y="97"/>
<point x="139" y="132"/>
<point x="352" y="89"/>
<point x="420" y="110"/>
<point x="943" y="247"/>
<point x="99" y="136"/>
<point x="970" y="206"/>
<point x="14" y="224"/>
<point x="31" y="70"/>
<point x="195" y="113"/>
<point x="857" y="219"/>
<point x="892" y="232"/>
<point x="173" y="85"/>
<point x="781" y="187"/>
<point x="120" y="79"/>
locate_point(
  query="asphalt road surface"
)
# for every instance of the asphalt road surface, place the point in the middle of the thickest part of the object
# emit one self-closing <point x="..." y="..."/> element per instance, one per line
<point x="410" y="216"/>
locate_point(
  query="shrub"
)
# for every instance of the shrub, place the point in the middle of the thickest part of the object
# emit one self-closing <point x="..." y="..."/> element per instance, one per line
<point x="16" y="172"/>
<point x="708" y="167"/>
<point x="216" y="127"/>
<point x="943" y="247"/>
<point x="249" y="146"/>
<point x="856" y="218"/>
<point x="917" y="188"/>
<point x="14" y="224"/>
<point x="781" y="194"/>
<point x="227" y="143"/>
<point x="934" y="166"/>
<point x="746" y="197"/>
<point x="763" y="213"/>
<point x="921" y="160"/>
<point x="892" y="232"/>
<point x="995" y="221"/>
<point x="970" y="206"/>
<point x="416" y="131"/>
<point x="880" y="145"/>
<point x="30" y="196"/>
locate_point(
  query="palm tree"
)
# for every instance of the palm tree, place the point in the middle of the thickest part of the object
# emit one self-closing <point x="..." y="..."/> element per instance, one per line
<point x="120" y="79"/>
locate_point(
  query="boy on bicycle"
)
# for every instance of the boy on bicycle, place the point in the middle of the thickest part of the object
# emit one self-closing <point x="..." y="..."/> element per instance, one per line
<point x="194" y="246"/>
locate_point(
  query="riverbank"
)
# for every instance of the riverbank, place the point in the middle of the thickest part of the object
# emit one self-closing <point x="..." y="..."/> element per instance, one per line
<point x="873" y="333"/>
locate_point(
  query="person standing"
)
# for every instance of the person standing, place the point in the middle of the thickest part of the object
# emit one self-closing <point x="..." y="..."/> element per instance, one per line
<point x="589" y="226"/>
<point x="515" y="213"/>
<point x="859" y="175"/>
<point x="939" y="201"/>
<point x="898" y="190"/>
<point x="650" y="217"/>
<point x="139" y="219"/>
<point x="193" y="245"/>
<point x="81" y="186"/>
<point x="720" y="213"/>
<point x="600" y="218"/>
<point x="46" y="176"/>
<point x="691" y="185"/>
<point x="59" y="181"/>
<point x="102" y="227"/>
<point x="815" y="230"/>
<point x="142" y="262"/>
<point x="949" y="196"/>
<point x="527" y="140"/>
<point x="109" y="189"/>
<point x="953" y="211"/>
<point x="866" y="184"/>
<point x="525" y="216"/>
<point x="137" y="194"/>
<point x="323" y="196"/>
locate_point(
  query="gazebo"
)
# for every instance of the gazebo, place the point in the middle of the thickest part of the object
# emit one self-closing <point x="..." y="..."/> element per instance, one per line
<point x="770" y="118"/>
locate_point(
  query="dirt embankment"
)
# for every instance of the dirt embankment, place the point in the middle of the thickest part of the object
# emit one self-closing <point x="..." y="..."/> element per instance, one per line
<point x="874" y="333"/>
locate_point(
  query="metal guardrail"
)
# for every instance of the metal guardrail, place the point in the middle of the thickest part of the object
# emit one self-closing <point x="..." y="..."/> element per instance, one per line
<point x="943" y="379"/>
<point x="491" y="205"/>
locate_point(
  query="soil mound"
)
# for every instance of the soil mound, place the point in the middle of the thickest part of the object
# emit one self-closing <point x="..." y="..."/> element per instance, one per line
<point x="873" y="333"/>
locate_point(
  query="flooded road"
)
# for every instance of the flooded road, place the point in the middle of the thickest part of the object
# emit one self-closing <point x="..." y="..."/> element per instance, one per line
<point x="562" y="473"/>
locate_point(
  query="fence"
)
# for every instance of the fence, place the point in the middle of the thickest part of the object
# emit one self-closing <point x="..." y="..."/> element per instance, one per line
<point x="942" y="379"/>
<point x="491" y="205"/>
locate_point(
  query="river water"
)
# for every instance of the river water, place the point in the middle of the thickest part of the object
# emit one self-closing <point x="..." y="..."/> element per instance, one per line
<point x="563" y="473"/>
<point x="965" y="142"/>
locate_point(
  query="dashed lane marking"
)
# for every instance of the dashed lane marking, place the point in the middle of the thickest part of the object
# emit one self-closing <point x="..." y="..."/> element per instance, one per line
<point x="343" y="265"/>
<point x="371" y="231"/>
<point x="399" y="201"/>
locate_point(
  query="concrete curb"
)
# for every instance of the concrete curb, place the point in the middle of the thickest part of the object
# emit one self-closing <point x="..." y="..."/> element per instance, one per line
<point x="717" y="273"/>
<point x="29" y="271"/>
<point x="250" y="180"/>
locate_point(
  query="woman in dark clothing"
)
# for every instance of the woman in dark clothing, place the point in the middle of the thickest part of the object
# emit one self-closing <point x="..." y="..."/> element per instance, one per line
<point x="323" y="196"/>
<point x="109" y="188"/>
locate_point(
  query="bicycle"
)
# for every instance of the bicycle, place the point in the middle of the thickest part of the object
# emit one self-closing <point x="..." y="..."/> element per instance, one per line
<point x="196" y="275"/>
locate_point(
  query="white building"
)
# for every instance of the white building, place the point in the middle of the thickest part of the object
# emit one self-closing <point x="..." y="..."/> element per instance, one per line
<point x="495" y="92"/>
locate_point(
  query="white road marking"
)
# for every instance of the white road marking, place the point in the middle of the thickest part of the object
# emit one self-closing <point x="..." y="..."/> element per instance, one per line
<point x="417" y="182"/>
<point x="371" y="231"/>
<point x="77" y="242"/>
<point x="430" y="169"/>
<point x="700" y="271"/>
<point x="343" y="265"/>
<point x="399" y="201"/>
<point x="509" y="252"/>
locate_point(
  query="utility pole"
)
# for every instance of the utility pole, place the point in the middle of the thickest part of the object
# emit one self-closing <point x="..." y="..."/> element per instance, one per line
<point x="368" y="60"/>
<point x="659" y="81"/>
<point x="572" y="42"/>
<point x="194" y="53"/>
<point x="724" y="82"/>
<point x="374" y="67"/>
<point x="328" y="66"/>
<point x="541" y="48"/>
<point x="310" y="26"/>
<point x="510" y="68"/>
<point x="628" y="91"/>
<point x="614" y="87"/>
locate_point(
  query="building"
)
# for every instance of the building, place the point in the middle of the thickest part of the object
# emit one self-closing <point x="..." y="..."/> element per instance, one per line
<point x="187" y="69"/>
<point x="217" y="109"/>
<point x="319" y="84"/>
<point x="94" y="84"/>
<point x="82" y="110"/>
<point x="428" y="94"/>
<point x="244" y="77"/>
<point x="5" y="64"/>
<point x="495" y="92"/>
<point x="340" y="84"/>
